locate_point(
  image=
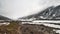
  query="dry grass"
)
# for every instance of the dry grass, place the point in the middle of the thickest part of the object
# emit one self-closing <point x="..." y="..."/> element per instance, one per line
<point x="12" y="28"/>
<point x="15" y="28"/>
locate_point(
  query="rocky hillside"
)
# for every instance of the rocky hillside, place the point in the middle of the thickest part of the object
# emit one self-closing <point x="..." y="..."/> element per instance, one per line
<point x="49" y="13"/>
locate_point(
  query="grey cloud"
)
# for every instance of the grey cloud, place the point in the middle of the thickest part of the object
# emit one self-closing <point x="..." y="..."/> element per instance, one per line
<point x="19" y="8"/>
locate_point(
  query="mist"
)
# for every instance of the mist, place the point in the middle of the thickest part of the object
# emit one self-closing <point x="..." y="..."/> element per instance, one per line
<point x="19" y="8"/>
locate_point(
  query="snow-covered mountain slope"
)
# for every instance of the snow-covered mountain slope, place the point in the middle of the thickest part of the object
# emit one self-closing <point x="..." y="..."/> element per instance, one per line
<point x="52" y="12"/>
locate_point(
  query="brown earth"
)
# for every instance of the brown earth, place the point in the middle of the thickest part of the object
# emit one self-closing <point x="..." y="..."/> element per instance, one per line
<point x="36" y="29"/>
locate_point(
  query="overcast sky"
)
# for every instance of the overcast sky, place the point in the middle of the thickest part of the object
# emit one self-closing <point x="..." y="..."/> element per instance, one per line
<point x="19" y="8"/>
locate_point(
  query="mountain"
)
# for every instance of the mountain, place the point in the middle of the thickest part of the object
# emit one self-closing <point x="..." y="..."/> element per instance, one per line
<point x="52" y="12"/>
<point x="4" y="18"/>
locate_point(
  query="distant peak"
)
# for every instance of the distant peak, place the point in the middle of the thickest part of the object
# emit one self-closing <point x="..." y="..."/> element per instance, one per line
<point x="4" y="18"/>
